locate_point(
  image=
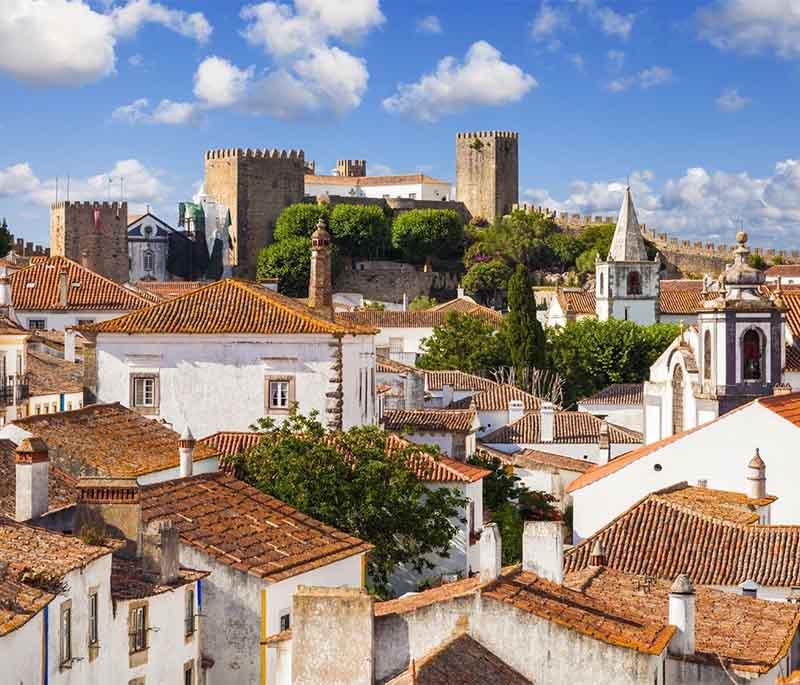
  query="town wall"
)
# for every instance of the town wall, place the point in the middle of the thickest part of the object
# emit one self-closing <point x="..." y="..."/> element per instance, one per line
<point x="389" y="281"/>
<point x="487" y="172"/>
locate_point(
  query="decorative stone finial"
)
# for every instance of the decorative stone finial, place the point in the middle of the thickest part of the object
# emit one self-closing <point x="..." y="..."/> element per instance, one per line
<point x="757" y="462"/>
<point x="682" y="585"/>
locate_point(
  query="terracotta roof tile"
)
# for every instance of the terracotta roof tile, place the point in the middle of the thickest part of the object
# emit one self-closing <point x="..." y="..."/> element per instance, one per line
<point x="576" y="301"/>
<point x="49" y="375"/>
<point x="573" y="427"/>
<point x="460" y="661"/>
<point x="497" y="397"/>
<point x="466" y="305"/>
<point x="536" y="459"/>
<point x="749" y="635"/>
<point x="424" y="318"/>
<point x="386" y="365"/>
<point x="617" y="393"/>
<point x="418" y="600"/>
<point x="166" y="290"/>
<point x="228" y="306"/>
<point x="230" y="443"/>
<point x="129" y="580"/>
<point x="37" y="288"/>
<point x="19" y="602"/>
<point x="792" y="358"/>
<point x="240" y="526"/>
<point x="785" y="406"/>
<point x="458" y="380"/>
<point x="784" y="270"/>
<point x="681" y="296"/>
<point x="61" y="487"/>
<point x="108" y="440"/>
<point x="442" y="420"/>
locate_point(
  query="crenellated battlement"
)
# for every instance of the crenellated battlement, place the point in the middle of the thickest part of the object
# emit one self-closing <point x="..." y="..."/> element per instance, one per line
<point x="260" y="153"/>
<point x="89" y="205"/>
<point x="513" y="135"/>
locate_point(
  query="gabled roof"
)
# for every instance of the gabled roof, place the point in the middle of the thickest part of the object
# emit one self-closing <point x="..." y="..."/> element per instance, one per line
<point x="617" y="394"/>
<point x="574" y="427"/>
<point x="166" y="290"/>
<point x="227" y="306"/>
<point x="627" y="244"/>
<point x="386" y="365"/>
<point x="108" y="440"/>
<point x="785" y="270"/>
<point x="537" y="459"/>
<point x="36" y="288"/>
<point x="48" y="374"/>
<point x="458" y="380"/>
<point x="425" y="318"/>
<point x="497" y="397"/>
<point x="460" y="660"/>
<point x="238" y="525"/>
<point x="466" y="305"/>
<point x="437" y="420"/>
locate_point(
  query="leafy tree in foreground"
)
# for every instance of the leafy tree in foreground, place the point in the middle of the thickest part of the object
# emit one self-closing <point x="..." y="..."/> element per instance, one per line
<point x="349" y="480"/>
<point x="591" y="354"/>
<point x="524" y="333"/>
<point x="359" y="230"/>
<point x="299" y="220"/>
<point x="486" y="279"/>
<point x="422" y="302"/>
<point x="288" y="260"/>
<point x="466" y="343"/>
<point x="420" y="234"/>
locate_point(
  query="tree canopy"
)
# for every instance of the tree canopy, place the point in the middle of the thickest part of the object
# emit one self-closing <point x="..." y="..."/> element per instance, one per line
<point x="524" y="333"/>
<point x="485" y="280"/>
<point x="420" y="234"/>
<point x="464" y="342"/>
<point x="351" y="481"/>
<point x="360" y="230"/>
<point x="288" y="260"/>
<point x="299" y="220"/>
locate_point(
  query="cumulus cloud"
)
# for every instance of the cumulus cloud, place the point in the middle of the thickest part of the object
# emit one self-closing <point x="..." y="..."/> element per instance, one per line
<point x="218" y="83"/>
<point x="430" y="25"/>
<point x="616" y="59"/>
<point x="646" y="78"/>
<point x="66" y="42"/>
<point x="165" y="112"/>
<point x="607" y="20"/>
<point x="547" y="23"/>
<point x="483" y="78"/>
<point x="730" y="100"/>
<point x="752" y="26"/>
<point x="698" y="204"/>
<point x="17" y="179"/>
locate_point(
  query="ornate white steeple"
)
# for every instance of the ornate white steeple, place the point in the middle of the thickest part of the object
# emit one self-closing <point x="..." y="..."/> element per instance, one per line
<point x="627" y="245"/>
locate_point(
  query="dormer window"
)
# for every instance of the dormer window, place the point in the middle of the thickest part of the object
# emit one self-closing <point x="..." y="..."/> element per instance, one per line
<point x="751" y="356"/>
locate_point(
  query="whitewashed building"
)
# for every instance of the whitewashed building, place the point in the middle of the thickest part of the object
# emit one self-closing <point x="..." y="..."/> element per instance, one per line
<point x="453" y="431"/>
<point x="148" y="248"/>
<point x="620" y="403"/>
<point x="409" y="186"/>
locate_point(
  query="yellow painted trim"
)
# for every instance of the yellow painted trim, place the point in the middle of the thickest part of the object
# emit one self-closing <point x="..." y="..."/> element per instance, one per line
<point x="363" y="570"/>
<point x="263" y="637"/>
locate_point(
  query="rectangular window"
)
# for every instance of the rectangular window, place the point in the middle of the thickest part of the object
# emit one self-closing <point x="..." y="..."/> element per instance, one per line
<point x="412" y="196"/>
<point x="144" y="393"/>
<point x="188" y="621"/>
<point x="93" y="630"/>
<point x="84" y="322"/>
<point x="138" y="629"/>
<point x="37" y="324"/>
<point x="66" y="635"/>
<point x="286" y="621"/>
<point x="279" y="394"/>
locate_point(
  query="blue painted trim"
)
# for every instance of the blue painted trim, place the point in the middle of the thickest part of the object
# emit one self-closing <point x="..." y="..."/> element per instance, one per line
<point x="61" y="406"/>
<point x="199" y="595"/>
<point x="45" y="668"/>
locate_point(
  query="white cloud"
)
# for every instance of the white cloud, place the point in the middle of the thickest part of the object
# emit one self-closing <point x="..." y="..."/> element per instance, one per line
<point x="17" y="179"/>
<point x="335" y="77"/>
<point x="699" y="203"/>
<point x="219" y="83"/>
<point x="752" y="26"/>
<point x="730" y="100"/>
<point x="429" y="24"/>
<point x="610" y="22"/>
<point x="165" y="112"/>
<point x="482" y="79"/>
<point x="616" y="59"/>
<point x="646" y="78"/>
<point x="547" y="23"/>
<point x="136" y="60"/>
<point x="129" y="18"/>
<point x="66" y="42"/>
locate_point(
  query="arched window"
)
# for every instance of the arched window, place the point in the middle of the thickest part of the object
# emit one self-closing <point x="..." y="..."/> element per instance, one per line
<point x="707" y="356"/>
<point x="149" y="260"/>
<point x="677" y="400"/>
<point x="751" y="356"/>
<point x="601" y="283"/>
<point x="634" y="283"/>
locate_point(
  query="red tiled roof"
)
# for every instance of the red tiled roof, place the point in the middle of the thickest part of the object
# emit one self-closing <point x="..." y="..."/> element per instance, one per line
<point x="792" y="358"/>
<point x="785" y="270"/>
<point x="386" y="365"/>
<point x="424" y="318"/>
<point x="785" y="406"/>
<point x="617" y="393"/>
<point x="230" y="443"/>
<point x="535" y="459"/>
<point x="238" y="525"/>
<point x="108" y="440"/>
<point x="49" y="375"/>
<point x="440" y="420"/>
<point x="130" y="580"/>
<point x="681" y="296"/>
<point x="574" y="427"/>
<point x="576" y="301"/>
<point x="458" y="380"/>
<point x="166" y="290"/>
<point x="466" y="305"/>
<point x="36" y="287"/>
<point x="19" y="602"/>
<point x="228" y="306"/>
<point x="419" y="600"/>
<point x="497" y="397"/>
<point x="460" y="660"/>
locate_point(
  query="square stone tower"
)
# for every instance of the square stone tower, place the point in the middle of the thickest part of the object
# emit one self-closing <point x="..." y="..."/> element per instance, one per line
<point x="487" y="172"/>
<point x="257" y="185"/>
<point x="94" y="234"/>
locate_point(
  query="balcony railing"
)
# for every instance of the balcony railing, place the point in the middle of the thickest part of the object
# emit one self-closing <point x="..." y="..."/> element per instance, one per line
<point x="14" y="392"/>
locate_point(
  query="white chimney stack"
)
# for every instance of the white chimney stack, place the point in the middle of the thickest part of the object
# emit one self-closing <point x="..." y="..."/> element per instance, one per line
<point x="749" y="588"/>
<point x="6" y="300"/>
<point x="682" y="616"/>
<point x="604" y="443"/>
<point x="516" y="410"/>
<point x="460" y="293"/>
<point x="547" y="420"/>
<point x="32" y="464"/>
<point x="491" y="553"/>
<point x="447" y="395"/>
<point x="186" y="451"/>
<point x="756" y="477"/>
<point x="543" y="550"/>
<point x="69" y="344"/>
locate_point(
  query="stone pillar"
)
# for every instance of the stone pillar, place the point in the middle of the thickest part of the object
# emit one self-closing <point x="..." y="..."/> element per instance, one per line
<point x="320" y="286"/>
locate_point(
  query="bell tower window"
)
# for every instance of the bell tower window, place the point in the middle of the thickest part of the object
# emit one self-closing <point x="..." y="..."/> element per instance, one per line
<point x="634" y="283"/>
<point x="751" y="356"/>
<point x="707" y="356"/>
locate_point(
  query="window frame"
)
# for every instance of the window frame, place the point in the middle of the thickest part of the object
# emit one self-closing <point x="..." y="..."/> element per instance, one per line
<point x="761" y="358"/>
<point x="285" y="620"/>
<point x="189" y="627"/>
<point x="137" y="630"/>
<point x="65" y="635"/>
<point x="269" y="407"/>
<point x="188" y="669"/>
<point x="148" y="260"/>
<point x="145" y="408"/>
<point x="33" y="324"/>
<point x="94" y="619"/>
<point x="634" y="283"/>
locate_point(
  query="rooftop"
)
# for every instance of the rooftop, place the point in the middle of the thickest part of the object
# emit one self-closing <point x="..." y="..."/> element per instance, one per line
<point x="425" y="318"/>
<point x="166" y="290"/>
<point x="681" y="296"/>
<point x="617" y="394"/>
<point x="458" y="380"/>
<point x="386" y="365"/>
<point x="129" y="580"/>
<point x="627" y="245"/>
<point x="573" y="427"/>
<point x="227" y="306"/>
<point x="437" y="420"/>
<point x="36" y="287"/>
<point x="784" y="270"/>
<point x="62" y="491"/>
<point x="239" y="526"/>
<point x="108" y="440"/>
<point x="497" y="397"/>
<point x="536" y="460"/>
<point x="398" y="179"/>
<point x="19" y="602"/>
<point x="49" y="375"/>
<point x="576" y="301"/>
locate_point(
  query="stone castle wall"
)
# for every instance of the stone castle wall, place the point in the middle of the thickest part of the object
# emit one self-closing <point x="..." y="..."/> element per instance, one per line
<point x="487" y="172"/>
<point x="257" y="185"/>
<point x="100" y="245"/>
<point x="389" y="281"/>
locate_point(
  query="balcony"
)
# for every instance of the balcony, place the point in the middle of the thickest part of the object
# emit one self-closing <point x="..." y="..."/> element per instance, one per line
<point x="14" y="392"/>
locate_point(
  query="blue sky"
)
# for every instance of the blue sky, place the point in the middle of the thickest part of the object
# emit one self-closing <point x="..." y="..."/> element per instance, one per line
<point x="696" y="102"/>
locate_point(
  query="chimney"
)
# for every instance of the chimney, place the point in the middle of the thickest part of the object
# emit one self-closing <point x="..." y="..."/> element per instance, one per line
<point x="160" y="550"/>
<point x="782" y="389"/>
<point x="681" y="615"/>
<point x="69" y="344"/>
<point x="186" y="451"/>
<point x="317" y="614"/>
<point x="543" y="549"/>
<point x="63" y="287"/>
<point x="6" y="301"/>
<point x="447" y="395"/>
<point x="405" y="302"/>
<point x="702" y="482"/>
<point x="491" y="553"/>
<point x="32" y="466"/>
<point x="112" y="506"/>
<point x="320" y="287"/>
<point x="547" y="419"/>
<point x="516" y="410"/>
<point x="756" y="477"/>
<point x="749" y="588"/>
<point x="598" y="555"/>
<point x="604" y="443"/>
<point x="269" y="284"/>
<point x="460" y="293"/>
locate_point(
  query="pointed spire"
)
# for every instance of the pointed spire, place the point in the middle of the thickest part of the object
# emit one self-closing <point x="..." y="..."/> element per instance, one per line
<point x="627" y="244"/>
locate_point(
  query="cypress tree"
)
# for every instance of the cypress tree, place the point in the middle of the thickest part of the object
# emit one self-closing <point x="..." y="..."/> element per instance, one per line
<point x="526" y="339"/>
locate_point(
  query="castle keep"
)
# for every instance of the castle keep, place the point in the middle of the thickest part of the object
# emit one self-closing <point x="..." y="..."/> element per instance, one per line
<point x="94" y="234"/>
<point x="257" y="185"/>
<point x="487" y="172"/>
